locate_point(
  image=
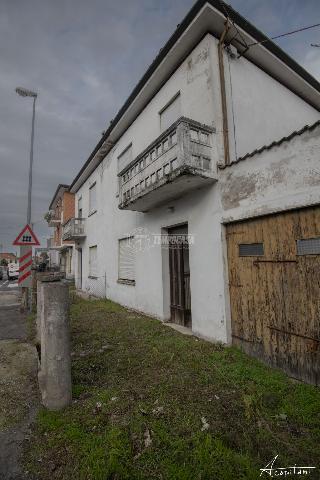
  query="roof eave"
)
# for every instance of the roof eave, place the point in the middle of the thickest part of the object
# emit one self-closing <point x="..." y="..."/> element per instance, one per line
<point x="268" y="52"/>
<point x="56" y="193"/>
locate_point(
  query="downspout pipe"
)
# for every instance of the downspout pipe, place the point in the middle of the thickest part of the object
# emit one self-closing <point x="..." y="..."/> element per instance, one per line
<point x="223" y="94"/>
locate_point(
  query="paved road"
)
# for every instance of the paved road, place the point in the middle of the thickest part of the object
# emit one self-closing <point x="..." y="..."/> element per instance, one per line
<point x="8" y="285"/>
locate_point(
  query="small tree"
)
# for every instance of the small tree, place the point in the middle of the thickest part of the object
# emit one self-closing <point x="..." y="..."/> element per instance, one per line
<point x="47" y="216"/>
<point x="4" y="262"/>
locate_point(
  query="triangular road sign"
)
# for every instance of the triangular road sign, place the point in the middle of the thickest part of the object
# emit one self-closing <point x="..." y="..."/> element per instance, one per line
<point x="26" y="237"/>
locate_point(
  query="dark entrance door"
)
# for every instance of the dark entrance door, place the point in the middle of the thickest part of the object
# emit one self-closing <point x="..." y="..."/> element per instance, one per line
<point x="79" y="268"/>
<point x="180" y="295"/>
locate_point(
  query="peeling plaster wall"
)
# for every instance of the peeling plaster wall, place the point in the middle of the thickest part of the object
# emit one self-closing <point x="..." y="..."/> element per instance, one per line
<point x="284" y="177"/>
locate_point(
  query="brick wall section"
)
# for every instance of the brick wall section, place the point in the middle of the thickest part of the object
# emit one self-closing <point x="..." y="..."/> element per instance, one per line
<point x="57" y="229"/>
<point x="57" y="236"/>
<point x="68" y="202"/>
<point x="68" y="206"/>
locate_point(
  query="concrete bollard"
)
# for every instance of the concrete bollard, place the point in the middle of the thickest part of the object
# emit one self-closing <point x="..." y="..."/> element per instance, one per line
<point x="55" y="370"/>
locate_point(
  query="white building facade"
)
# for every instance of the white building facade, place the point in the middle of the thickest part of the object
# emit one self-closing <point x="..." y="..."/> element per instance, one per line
<point x="162" y="169"/>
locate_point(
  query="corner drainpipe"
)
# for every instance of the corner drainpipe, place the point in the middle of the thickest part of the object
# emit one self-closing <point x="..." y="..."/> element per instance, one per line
<point x="223" y="94"/>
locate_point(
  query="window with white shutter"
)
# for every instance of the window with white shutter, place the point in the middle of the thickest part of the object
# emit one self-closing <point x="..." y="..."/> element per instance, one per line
<point x="170" y="113"/>
<point x="125" y="157"/>
<point x="93" y="261"/>
<point x="126" y="261"/>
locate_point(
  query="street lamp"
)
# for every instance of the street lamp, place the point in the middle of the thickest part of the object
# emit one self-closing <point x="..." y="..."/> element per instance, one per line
<point x="23" y="92"/>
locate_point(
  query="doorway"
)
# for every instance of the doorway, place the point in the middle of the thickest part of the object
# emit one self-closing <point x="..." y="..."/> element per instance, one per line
<point x="79" y="279"/>
<point x="179" y="269"/>
<point x="274" y="265"/>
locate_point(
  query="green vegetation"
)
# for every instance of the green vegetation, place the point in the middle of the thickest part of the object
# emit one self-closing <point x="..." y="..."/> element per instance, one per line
<point x="150" y="403"/>
<point x="31" y="327"/>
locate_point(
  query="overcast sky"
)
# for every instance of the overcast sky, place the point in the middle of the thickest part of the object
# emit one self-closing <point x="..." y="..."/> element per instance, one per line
<point x="83" y="58"/>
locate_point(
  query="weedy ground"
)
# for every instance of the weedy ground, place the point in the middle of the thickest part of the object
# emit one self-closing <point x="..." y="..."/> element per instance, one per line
<point x="150" y="403"/>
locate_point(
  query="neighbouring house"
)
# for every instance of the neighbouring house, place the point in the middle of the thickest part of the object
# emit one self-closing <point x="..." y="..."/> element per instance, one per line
<point x="53" y="255"/>
<point x="59" y="216"/>
<point x="8" y="257"/>
<point x="200" y="203"/>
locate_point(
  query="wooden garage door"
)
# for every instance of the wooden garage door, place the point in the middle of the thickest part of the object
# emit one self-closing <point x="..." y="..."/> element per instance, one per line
<point x="274" y="278"/>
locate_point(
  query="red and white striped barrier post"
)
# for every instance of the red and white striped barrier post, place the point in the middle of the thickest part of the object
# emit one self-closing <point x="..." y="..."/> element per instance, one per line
<point x="25" y="265"/>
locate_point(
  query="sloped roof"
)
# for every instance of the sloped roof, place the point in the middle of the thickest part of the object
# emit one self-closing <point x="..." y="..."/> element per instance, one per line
<point x="58" y="192"/>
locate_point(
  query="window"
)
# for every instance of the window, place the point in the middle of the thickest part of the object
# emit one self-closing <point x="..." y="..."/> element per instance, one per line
<point x="80" y="207"/>
<point x="170" y="113"/>
<point x="93" y="262"/>
<point x="174" y="164"/>
<point x="308" y="246"/>
<point x="206" y="163"/>
<point x="251" y="249"/>
<point x="204" y="137"/>
<point x="126" y="260"/>
<point x="93" y="198"/>
<point x="125" y="157"/>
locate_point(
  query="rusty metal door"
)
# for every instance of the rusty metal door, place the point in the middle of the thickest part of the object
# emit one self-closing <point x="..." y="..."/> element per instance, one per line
<point x="180" y="295"/>
<point x="274" y="283"/>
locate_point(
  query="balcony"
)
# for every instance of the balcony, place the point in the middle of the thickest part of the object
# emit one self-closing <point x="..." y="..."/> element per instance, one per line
<point x="74" y="229"/>
<point x="53" y="218"/>
<point x="175" y="163"/>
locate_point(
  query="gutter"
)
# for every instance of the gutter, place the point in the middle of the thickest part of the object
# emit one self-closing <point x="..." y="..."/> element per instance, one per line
<point x="223" y="95"/>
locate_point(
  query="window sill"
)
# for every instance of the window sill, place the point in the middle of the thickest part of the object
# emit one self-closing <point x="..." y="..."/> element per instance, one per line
<point x="93" y="277"/>
<point x="126" y="282"/>
<point x="92" y="213"/>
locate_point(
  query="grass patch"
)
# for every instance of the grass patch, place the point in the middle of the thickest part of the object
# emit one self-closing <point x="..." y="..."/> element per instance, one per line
<point x="150" y="403"/>
<point x="31" y="327"/>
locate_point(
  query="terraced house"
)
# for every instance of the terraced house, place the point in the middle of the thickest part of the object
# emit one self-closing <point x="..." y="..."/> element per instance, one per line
<point x="61" y="249"/>
<point x="200" y="203"/>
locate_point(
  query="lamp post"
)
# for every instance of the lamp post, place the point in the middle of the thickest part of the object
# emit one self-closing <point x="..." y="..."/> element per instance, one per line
<point x="23" y="92"/>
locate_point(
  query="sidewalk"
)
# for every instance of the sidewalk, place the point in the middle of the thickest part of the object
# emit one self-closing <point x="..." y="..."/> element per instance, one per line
<point x="18" y="386"/>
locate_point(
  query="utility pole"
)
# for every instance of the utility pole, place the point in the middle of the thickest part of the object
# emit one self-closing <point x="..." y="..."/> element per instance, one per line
<point x="23" y="92"/>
